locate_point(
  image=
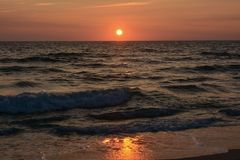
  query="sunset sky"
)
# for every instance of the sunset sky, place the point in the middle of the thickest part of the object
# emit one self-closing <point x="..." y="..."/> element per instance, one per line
<point x="86" y="20"/>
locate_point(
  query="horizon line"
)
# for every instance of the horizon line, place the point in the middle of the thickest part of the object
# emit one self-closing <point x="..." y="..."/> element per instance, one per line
<point x="119" y="41"/>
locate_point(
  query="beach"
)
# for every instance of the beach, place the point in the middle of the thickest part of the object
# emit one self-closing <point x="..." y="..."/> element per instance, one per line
<point x="230" y="155"/>
<point x="166" y="146"/>
<point x="142" y="146"/>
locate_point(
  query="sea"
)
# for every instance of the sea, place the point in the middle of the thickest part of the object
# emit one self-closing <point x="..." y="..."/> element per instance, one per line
<point x="55" y="90"/>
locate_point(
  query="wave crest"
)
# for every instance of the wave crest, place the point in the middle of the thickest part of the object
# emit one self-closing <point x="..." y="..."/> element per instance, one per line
<point x="135" y="127"/>
<point x="44" y="102"/>
<point x="139" y="113"/>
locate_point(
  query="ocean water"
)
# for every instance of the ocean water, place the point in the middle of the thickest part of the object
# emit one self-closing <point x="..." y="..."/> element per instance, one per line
<point x="104" y="88"/>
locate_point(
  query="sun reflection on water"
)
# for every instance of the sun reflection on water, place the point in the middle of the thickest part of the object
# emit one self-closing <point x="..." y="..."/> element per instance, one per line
<point x="126" y="148"/>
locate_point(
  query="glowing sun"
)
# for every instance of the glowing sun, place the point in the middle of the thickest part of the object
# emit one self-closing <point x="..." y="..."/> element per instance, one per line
<point x="119" y="32"/>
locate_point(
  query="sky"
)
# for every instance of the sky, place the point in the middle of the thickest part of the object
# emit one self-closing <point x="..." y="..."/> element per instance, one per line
<point x="97" y="20"/>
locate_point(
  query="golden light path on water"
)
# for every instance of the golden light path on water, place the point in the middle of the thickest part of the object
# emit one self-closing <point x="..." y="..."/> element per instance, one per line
<point x="126" y="148"/>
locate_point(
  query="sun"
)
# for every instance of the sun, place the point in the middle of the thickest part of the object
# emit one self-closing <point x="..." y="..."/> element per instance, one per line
<point x="119" y="32"/>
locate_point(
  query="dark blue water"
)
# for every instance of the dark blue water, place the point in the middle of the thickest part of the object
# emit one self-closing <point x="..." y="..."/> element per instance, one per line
<point x="99" y="88"/>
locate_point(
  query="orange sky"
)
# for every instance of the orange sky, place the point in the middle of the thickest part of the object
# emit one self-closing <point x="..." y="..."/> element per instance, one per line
<point x="140" y="19"/>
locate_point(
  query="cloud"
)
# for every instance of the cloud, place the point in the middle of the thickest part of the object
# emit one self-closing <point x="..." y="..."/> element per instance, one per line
<point x="6" y="11"/>
<point x="44" y="4"/>
<point x="126" y="4"/>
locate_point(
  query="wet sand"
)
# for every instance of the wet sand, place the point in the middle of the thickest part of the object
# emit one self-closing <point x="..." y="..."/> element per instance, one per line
<point x="185" y="145"/>
<point x="218" y="143"/>
<point x="230" y="155"/>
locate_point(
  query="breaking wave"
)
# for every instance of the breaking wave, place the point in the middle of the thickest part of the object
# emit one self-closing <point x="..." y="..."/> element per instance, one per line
<point x="44" y="102"/>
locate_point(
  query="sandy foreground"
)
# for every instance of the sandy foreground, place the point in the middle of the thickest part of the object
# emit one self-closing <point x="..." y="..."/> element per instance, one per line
<point x="217" y="141"/>
<point x="230" y="155"/>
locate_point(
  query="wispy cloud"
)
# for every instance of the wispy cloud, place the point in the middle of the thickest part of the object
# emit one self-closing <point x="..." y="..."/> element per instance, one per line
<point x="44" y="4"/>
<point x="6" y="11"/>
<point x="126" y="4"/>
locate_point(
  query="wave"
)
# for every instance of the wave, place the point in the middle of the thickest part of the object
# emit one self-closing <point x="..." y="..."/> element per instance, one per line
<point x="91" y="65"/>
<point x="29" y="59"/>
<point x="135" y="127"/>
<point x="149" y="50"/>
<point x="230" y="112"/>
<point x="59" y="79"/>
<point x="35" y="121"/>
<point x="44" y="102"/>
<point x="115" y="76"/>
<point x="185" y="88"/>
<point x="221" y="55"/>
<point x="236" y="77"/>
<point x="51" y="58"/>
<point x="56" y="70"/>
<point x="204" y="104"/>
<point x="11" y="69"/>
<point x="6" y="60"/>
<point x="180" y="58"/>
<point x="139" y="113"/>
<point x="217" y="68"/>
<point x="37" y="59"/>
<point x="28" y="69"/>
<point x="213" y="87"/>
<point x="64" y="54"/>
<point x="194" y="79"/>
<point x="26" y="84"/>
<point x="10" y="131"/>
